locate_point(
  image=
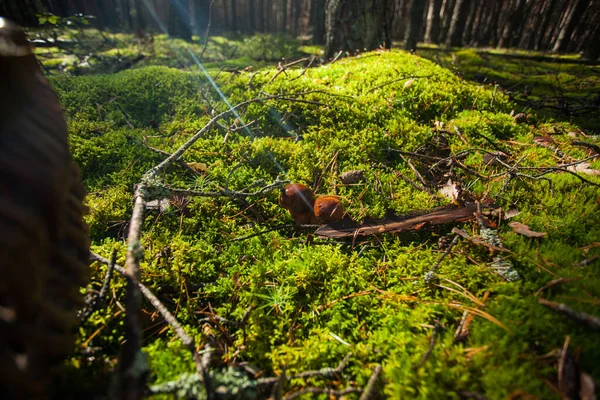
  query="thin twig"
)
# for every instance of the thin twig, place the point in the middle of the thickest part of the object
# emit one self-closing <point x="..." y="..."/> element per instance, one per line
<point x="430" y="349"/>
<point x="133" y="375"/>
<point x="397" y="80"/>
<point x="187" y="340"/>
<point x="431" y="274"/>
<point x="586" y="319"/>
<point x="323" y="372"/>
<point x="369" y="391"/>
<point x="232" y="193"/>
<point x="554" y="282"/>
<point x="164" y="153"/>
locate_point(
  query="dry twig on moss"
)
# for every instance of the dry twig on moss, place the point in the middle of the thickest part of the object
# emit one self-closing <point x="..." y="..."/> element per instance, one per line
<point x="586" y="319"/>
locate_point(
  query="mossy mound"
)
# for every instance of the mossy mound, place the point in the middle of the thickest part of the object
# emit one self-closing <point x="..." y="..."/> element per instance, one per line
<point x="313" y="301"/>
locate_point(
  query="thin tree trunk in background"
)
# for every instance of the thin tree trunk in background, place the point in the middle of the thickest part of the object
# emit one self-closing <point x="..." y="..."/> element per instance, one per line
<point x="542" y="29"/>
<point x="201" y="11"/>
<point x="317" y="19"/>
<point x="574" y="14"/>
<point x="592" y="49"/>
<point x="356" y="25"/>
<point x="296" y="14"/>
<point x="251" y="16"/>
<point x="466" y="35"/>
<point x="227" y="21"/>
<point x="432" y="28"/>
<point x="179" y="20"/>
<point x="476" y="25"/>
<point x="445" y="19"/>
<point x="457" y="24"/>
<point x="261" y="15"/>
<point x="415" y="22"/>
<point x="513" y="22"/>
<point x="234" y="22"/>
<point x="284" y="12"/>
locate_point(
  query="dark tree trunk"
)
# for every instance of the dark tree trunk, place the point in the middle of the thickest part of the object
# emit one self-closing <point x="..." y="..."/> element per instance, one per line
<point x="201" y="14"/>
<point x="457" y="24"/>
<point x="179" y="20"/>
<point x="261" y="15"/>
<point x="592" y="49"/>
<point x="573" y="15"/>
<point x="317" y="20"/>
<point x="432" y="29"/>
<point x="415" y="22"/>
<point x="445" y="18"/>
<point x="296" y="13"/>
<point x="356" y="25"/>
<point x="284" y="12"/>
<point x="513" y="25"/>
<point x="234" y="22"/>
<point x="466" y="35"/>
<point x="251" y="15"/>
<point x="476" y="26"/>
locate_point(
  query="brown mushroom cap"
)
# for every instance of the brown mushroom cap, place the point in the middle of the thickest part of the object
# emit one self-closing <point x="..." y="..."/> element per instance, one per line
<point x="328" y="209"/>
<point x="297" y="198"/>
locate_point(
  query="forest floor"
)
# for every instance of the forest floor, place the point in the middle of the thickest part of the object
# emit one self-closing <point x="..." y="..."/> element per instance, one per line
<point x="505" y="307"/>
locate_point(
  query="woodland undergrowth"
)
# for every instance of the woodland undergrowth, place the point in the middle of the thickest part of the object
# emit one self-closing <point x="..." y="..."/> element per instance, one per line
<point x="266" y="305"/>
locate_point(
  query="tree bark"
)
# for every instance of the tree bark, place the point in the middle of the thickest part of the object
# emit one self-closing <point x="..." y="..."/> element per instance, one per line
<point x="445" y="18"/>
<point x="573" y="15"/>
<point x="457" y="24"/>
<point x="284" y="12"/>
<point x="261" y="15"/>
<point x="432" y="29"/>
<point x="234" y="22"/>
<point x="179" y="20"/>
<point x="592" y="49"/>
<point x="415" y="22"/>
<point x="356" y="25"/>
<point x="317" y="20"/>
<point x="513" y="23"/>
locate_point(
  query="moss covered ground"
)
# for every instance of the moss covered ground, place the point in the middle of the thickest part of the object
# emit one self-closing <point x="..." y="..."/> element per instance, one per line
<point x="313" y="301"/>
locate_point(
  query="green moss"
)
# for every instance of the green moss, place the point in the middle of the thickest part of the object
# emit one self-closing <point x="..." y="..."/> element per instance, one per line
<point x="315" y="300"/>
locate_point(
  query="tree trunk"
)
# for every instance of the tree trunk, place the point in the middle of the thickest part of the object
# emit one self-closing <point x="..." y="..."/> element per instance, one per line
<point x="415" y="22"/>
<point x="592" y="49"/>
<point x="317" y="20"/>
<point x="432" y="29"/>
<point x="513" y="23"/>
<point x="356" y="25"/>
<point x="466" y="34"/>
<point x="457" y="24"/>
<point x="201" y="14"/>
<point x="573" y="15"/>
<point x="261" y="15"/>
<point x="445" y="18"/>
<point x="284" y="12"/>
<point x="234" y="25"/>
<point x="179" y="20"/>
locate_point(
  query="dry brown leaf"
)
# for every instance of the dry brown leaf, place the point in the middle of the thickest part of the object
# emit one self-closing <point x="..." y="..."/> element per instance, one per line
<point x="524" y="230"/>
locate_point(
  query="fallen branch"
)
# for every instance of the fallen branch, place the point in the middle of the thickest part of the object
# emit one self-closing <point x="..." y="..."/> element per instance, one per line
<point x="162" y="310"/>
<point x="369" y="391"/>
<point x="554" y="282"/>
<point x="586" y="319"/>
<point x="323" y="373"/>
<point x="132" y="370"/>
<point x="407" y="222"/>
